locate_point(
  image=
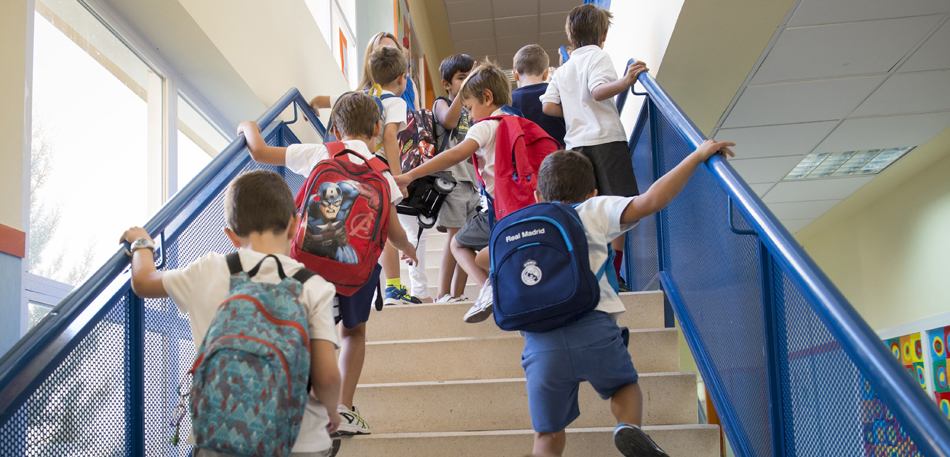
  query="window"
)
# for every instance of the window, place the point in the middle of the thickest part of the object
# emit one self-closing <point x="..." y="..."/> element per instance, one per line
<point x="337" y="21"/>
<point x="198" y="142"/>
<point x="96" y="105"/>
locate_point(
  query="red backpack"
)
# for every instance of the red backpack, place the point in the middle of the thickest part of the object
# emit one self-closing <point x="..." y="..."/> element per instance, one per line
<point x="344" y="219"/>
<point x="520" y="146"/>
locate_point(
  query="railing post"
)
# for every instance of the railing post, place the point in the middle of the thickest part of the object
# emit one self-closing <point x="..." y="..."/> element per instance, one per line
<point x="135" y="378"/>
<point x="774" y="347"/>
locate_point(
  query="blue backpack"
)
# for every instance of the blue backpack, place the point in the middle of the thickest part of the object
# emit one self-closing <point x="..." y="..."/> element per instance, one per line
<point x="250" y="379"/>
<point x="540" y="269"/>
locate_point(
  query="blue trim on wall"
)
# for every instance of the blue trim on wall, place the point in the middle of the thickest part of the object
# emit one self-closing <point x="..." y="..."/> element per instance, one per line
<point x="11" y="304"/>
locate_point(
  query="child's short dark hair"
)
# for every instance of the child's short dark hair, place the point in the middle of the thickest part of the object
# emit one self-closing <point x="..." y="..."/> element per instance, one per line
<point x="258" y="202"/>
<point x="386" y="64"/>
<point x="587" y="24"/>
<point x="566" y="176"/>
<point x="355" y="114"/>
<point x="488" y="77"/>
<point x="531" y="60"/>
<point x="455" y="63"/>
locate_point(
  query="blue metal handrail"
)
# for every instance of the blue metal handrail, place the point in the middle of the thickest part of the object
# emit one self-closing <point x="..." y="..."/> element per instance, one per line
<point x="35" y="355"/>
<point x="906" y="400"/>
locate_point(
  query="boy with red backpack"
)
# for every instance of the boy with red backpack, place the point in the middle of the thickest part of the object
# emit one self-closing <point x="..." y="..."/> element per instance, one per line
<point x="508" y="178"/>
<point x="258" y="305"/>
<point x="356" y="120"/>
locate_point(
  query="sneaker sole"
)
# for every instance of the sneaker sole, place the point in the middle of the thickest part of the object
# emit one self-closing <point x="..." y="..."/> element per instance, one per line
<point x="395" y="301"/>
<point x="479" y="316"/>
<point x="634" y="443"/>
<point x="354" y="431"/>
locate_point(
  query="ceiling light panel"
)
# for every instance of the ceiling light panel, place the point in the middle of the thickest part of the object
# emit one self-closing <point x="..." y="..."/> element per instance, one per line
<point x="843" y="164"/>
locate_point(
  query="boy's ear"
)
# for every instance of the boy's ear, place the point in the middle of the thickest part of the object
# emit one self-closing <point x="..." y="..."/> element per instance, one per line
<point x="547" y="72"/>
<point x="292" y="227"/>
<point x="233" y="237"/>
<point x="604" y="39"/>
<point x="336" y="133"/>
<point x="592" y="194"/>
<point x="488" y="98"/>
<point x="537" y="197"/>
<point x="516" y="76"/>
<point x="446" y="85"/>
<point x="376" y="129"/>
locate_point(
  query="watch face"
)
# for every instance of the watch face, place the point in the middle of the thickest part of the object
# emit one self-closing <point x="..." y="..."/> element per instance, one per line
<point x="141" y="242"/>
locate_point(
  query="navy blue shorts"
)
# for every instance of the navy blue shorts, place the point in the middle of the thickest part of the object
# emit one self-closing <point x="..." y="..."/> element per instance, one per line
<point x="592" y="349"/>
<point x="354" y="310"/>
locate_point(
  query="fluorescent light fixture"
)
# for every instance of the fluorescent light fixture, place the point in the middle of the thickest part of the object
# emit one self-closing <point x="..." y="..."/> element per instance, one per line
<point x="849" y="163"/>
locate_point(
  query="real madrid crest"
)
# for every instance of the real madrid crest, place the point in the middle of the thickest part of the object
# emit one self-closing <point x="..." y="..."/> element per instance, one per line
<point x="531" y="274"/>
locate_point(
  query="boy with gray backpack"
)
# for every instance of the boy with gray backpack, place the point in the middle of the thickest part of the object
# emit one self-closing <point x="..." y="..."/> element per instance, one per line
<point x="263" y="327"/>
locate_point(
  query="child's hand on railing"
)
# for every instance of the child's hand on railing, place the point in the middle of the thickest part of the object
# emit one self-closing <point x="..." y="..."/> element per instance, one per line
<point x="710" y="147"/>
<point x="248" y="126"/>
<point x="633" y="71"/>
<point x="134" y="233"/>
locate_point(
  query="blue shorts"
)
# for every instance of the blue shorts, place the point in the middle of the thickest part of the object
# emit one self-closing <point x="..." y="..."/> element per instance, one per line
<point x="354" y="310"/>
<point x="592" y="349"/>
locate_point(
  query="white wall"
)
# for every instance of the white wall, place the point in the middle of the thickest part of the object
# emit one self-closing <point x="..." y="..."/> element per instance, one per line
<point x="641" y="29"/>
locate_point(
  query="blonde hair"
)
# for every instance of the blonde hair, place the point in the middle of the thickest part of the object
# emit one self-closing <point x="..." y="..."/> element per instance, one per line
<point x="367" y="80"/>
<point x="487" y="77"/>
<point x="531" y="60"/>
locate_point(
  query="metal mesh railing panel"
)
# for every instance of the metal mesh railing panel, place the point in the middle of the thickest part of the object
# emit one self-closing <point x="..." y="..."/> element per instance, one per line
<point x="715" y="273"/>
<point x="641" y="241"/>
<point x="829" y="407"/>
<point x="82" y="408"/>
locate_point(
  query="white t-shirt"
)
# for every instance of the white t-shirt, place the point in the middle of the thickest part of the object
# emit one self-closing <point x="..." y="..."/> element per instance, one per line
<point x="588" y="121"/>
<point x="484" y="133"/>
<point x="301" y="158"/>
<point x="199" y="289"/>
<point x="601" y="219"/>
<point x="394" y="112"/>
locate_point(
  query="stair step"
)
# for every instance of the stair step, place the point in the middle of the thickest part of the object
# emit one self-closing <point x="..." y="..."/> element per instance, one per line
<point x="443" y="320"/>
<point x="676" y="440"/>
<point x="493" y="357"/>
<point x="502" y="404"/>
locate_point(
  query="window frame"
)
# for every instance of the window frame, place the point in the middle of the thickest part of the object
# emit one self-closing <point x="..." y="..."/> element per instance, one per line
<point x="162" y="138"/>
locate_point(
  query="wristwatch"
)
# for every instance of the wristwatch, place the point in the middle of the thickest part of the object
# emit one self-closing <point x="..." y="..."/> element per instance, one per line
<point x="142" y="243"/>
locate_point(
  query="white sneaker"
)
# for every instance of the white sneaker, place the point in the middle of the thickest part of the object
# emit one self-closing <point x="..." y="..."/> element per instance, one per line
<point x="352" y="423"/>
<point x="483" y="305"/>
<point x="450" y="299"/>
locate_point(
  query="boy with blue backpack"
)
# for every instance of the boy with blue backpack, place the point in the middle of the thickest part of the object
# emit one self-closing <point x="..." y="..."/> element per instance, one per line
<point x="275" y="322"/>
<point x="550" y="267"/>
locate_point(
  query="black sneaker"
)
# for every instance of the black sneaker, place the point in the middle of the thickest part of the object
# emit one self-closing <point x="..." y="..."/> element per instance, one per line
<point x="632" y="442"/>
<point x="335" y="447"/>
<point x="622" y="285"/>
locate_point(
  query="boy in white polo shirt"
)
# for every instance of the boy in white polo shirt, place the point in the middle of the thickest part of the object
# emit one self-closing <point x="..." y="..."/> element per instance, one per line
<point x="582" y="91"/>
<point x="484" y="93"/>
<point x="356" y="121"/>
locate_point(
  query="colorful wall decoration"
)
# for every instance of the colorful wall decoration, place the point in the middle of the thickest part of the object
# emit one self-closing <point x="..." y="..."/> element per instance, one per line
<point x="937" y="340"/>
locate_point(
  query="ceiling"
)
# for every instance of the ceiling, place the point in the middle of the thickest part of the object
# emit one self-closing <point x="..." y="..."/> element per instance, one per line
<point x="839" y="76"/>
<point x="498" y="28"/>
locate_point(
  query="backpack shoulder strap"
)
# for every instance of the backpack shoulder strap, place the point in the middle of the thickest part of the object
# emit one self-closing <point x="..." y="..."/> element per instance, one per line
<point x="303" y="275"/>
<point x="377" y="164"/>
<point x="234" y="263"/>
<point x="334" y="148"/>
<point x="386" y="96"/>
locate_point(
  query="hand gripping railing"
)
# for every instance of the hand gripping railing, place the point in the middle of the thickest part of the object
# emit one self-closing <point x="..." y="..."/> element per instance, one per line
<point x="790" y="365"/>
<point x="102" y="317"/>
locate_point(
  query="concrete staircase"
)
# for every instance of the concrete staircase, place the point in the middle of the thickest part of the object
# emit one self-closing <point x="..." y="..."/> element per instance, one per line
<point x="433" y="385"/>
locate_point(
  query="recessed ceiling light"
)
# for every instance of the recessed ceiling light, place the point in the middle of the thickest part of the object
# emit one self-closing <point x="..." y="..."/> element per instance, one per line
<point x="819" y="165"/>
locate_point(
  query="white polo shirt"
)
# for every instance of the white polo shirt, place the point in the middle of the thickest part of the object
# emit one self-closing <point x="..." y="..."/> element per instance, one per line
<point x="588" y="121"/>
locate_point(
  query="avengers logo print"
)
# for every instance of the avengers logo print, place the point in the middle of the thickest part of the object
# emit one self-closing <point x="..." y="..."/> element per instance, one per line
<point x="531" y="274"/>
